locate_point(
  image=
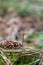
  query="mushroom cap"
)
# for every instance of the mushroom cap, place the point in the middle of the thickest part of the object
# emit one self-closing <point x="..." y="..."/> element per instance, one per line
<point x="22" y="32"/>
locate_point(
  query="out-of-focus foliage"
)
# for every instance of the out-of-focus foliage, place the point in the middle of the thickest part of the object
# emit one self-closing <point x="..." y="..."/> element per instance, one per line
<point x="16" y="59"/>
<point x="24" y="7"/>
<point x="25" y="60"/>
<point x="38" y="35"/>
<point x="36" y="62"/>
<point x="1" y="63"/>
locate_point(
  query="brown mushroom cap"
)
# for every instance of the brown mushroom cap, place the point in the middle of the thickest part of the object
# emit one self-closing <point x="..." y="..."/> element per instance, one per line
<point x="23" y="33"/>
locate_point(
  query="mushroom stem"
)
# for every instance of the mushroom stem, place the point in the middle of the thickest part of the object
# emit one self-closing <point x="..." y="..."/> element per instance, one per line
<point x="22" y="39"/>
<point x="22" y="33"/>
